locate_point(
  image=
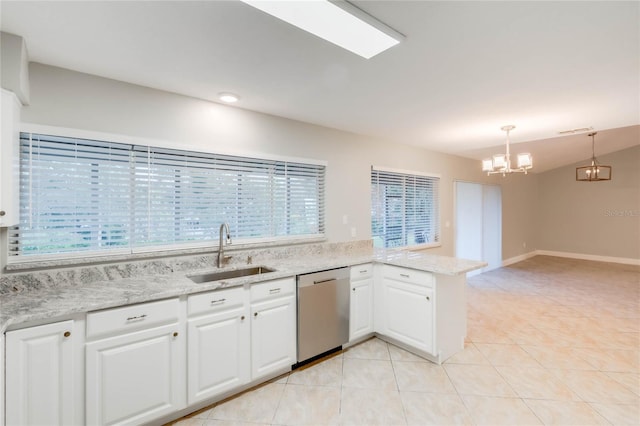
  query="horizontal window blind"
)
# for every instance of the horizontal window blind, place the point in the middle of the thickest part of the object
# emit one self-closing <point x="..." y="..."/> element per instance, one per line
<point x="84" y="196"/>
<point x="404" y="209"/>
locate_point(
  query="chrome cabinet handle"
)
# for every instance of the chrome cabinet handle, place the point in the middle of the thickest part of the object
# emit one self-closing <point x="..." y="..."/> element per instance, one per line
<point x="363" y="272"/>
<point x="139" y="317"/>
<point x="404" y="275"/>
<point x="216" y="302"/>
<point x="274" y="290"/>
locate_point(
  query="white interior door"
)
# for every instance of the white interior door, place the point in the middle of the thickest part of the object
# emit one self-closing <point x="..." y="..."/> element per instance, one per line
<point x="491" y="226"/>
<point x="479" y="224"/>
<point x="469" y="222"/>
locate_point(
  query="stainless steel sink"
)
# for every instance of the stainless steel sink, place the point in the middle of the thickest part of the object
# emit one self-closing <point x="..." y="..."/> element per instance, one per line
<point x="208" y="277"/>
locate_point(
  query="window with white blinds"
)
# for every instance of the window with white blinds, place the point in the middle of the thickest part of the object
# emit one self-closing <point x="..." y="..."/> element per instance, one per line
<point x="404" y="209"/>
<point x="87" y="196"/>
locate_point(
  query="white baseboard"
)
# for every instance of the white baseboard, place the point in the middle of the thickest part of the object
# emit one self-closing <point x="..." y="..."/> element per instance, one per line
<point x="520" y="258"/>
<point x="610" y="259"/>
<point x="596" y="258"/>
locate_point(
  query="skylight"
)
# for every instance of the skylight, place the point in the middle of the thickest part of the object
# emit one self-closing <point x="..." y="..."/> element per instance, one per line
<point x="338" y="22"/>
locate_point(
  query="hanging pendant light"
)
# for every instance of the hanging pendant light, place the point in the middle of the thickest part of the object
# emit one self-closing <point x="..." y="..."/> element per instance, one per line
<point x="501" y="163"/>
<point x="594" y="172"/>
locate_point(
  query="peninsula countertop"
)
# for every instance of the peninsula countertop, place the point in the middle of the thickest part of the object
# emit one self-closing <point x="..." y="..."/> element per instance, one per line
<point x="56" y="295"/>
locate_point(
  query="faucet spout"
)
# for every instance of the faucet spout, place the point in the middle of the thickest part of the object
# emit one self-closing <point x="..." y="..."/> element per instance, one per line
<point x="223" y="227"/>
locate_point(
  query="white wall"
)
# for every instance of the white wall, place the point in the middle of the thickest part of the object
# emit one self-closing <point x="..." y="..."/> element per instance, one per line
<point x="592" y="218"/>
<point x="68" y="99"/>
<point x="548" y="211"/>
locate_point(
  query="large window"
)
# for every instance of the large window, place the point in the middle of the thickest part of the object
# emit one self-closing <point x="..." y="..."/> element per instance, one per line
<point x="404" y="209"/>
<point x="88" y="196"/>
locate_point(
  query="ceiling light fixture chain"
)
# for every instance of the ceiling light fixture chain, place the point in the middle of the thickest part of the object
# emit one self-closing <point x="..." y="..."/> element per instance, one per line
<point x="501" y="163"/>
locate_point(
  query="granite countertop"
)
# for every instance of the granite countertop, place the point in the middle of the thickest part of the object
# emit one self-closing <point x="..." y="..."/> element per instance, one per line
<point x="49" y="302"/>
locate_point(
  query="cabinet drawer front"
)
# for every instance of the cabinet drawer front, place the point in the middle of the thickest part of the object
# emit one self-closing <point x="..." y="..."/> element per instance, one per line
<point x="361" y="271"/>
<point x="412" y="276"/>
<point x="132" y="317"/>
<point x="272" y="289"/>
<point x="216" y="301"/>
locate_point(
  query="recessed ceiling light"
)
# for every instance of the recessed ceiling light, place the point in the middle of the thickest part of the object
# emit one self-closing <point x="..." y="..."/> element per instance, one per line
<point x="338" y="22"/>
<point x="229" y="98"/>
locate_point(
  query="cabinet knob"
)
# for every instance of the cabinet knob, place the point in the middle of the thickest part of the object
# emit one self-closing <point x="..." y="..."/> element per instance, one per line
<point x="242" y="318"/>
<point x="175" y="334"/>
<point x="354" y="289"/>
<point x="255" y="314"/>
<point x="67" y="334"/>
<point x="2" y="213"/>
<point x="428" y="298"/>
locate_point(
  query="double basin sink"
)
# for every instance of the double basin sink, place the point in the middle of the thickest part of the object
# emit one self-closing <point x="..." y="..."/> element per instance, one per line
<point x="208" y="277"/>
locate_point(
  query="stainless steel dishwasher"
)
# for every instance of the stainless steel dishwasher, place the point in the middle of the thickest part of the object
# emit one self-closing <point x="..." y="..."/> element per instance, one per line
<point x="323" y="312"/>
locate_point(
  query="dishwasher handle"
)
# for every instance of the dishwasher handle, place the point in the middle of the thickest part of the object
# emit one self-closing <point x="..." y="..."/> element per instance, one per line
<point x="325" y="281"/>
<point x="322" y="277"/>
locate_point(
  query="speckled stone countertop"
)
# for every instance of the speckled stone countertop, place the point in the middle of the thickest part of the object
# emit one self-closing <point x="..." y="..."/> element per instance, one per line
<point x="54" y="293"/>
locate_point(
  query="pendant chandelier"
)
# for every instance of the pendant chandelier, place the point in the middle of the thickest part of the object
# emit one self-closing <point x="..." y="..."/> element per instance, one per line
<point x="501" y="163"/>
<point x="594" y="172"/>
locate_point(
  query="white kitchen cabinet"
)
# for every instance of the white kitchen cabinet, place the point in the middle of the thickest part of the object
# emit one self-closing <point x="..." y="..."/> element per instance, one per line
<point x="219" y="333"/>
<point x="273" y="327"/>
<point x="361" y="302"/>
<point x="409" y="314"/>
<point x="9" y="159"/>
<point x="406" y="305"/>
<point x="136" y="374"/>
<point x="421" y="311"/>
<point x="43" y="369"/>
<point x="2" y="382"/>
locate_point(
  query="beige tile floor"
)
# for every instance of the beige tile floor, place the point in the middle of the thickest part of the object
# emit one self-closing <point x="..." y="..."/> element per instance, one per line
<point x="550" y="341"/>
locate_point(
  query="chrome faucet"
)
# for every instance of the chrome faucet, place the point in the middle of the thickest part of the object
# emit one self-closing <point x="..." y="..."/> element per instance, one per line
<point x="223" y="227"/>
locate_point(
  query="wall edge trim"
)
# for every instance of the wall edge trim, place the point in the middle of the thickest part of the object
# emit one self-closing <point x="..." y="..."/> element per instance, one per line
<point x="597" y="258"/>
<point x="519" y="258"/>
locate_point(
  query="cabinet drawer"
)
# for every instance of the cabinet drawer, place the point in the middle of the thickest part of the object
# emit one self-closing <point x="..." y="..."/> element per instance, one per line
<point x="359" y="272"/>
<point x="215" y="301"/>
<point x="132" y="317"/>
<point x="272" y="289"/>
<point x="408" y="275"/>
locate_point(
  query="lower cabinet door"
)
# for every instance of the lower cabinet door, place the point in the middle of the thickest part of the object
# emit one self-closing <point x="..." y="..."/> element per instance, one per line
<point x="218" y="354"/>
<point x="135" y="378"/>
<point x="409" y="314"/>
<point x="361" y="308"/>
<point x="40" y="375"/>
<point x="273" y="336"/>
